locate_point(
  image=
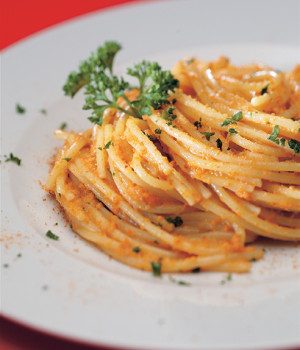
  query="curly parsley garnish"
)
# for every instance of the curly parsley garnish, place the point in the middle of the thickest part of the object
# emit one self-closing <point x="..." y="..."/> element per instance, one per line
<point x="103" y="88"/>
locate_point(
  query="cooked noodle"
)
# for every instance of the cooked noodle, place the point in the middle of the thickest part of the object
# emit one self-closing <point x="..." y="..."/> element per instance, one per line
<point x="191" y="190"/>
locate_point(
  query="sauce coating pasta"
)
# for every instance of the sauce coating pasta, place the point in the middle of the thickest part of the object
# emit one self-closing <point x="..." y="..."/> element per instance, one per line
<point x="190" y="185"/>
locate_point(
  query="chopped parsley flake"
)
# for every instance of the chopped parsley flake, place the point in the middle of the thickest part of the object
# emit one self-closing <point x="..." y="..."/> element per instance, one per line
<point x="67" y="159"/>
<point x="198" y="124"/>
<point x="177" y="221"/>
<point x="181" y="283"/>
<point x="150" y="137"/>
<point x="13" y="159"/>
<point x="63" y="126"/>
<point x="109" y="143"/>
<point x="232" y="131"/>
<point x="274" y="134"/>
<point x="168" y="114"/>
<point x="196" y="270"/>
<point x="227" y="279"/>
<point x="43" y="111"/>
<point x="51" y="235"/>
<point x="234" y="119"/>
<point x="6" y="265"/>
<point x="157" y="131"/>
<point x="295" y="145"/>
<point x="219" y="144"/>
<point x="20" y="109"/>
<point x="136" y="249"/>
<point x="19" y="255"/>
<point x="207" y="135"/>
<point x="156" y="268"/>
<point x="265" y="89"/>
<point x="282" y="142"/>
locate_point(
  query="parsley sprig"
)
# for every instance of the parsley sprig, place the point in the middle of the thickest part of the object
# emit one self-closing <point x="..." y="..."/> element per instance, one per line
<point x="103" y="88"/>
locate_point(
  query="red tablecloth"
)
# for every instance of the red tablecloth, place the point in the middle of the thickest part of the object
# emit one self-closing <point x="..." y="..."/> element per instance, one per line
<point x="19" y="19"/>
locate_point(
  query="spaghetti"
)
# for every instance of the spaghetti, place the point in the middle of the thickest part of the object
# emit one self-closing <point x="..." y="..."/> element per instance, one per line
<point x="191" y="184"/>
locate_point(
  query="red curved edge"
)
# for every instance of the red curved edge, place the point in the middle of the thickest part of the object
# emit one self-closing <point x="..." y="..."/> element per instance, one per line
<point x="19" y="19"/>
<point x="17" y="335"/>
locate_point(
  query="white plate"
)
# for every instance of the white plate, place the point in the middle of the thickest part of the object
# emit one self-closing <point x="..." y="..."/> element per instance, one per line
<point x="69" y="288"/>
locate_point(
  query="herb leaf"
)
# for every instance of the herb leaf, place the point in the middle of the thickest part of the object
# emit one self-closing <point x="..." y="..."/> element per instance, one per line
<point x="96" y="75"/>
<point x="136" y="249"/>
<point x="63" y="126"/>
<point x="265" y="89"/>
<point x="282" y="142"/>
<point x="20" y="109"/>
<point x="196" y="270"/>
<point x="207" y="135"/>
<point x="177" y="221"/>
<point x="274" y="134"/>
<point x="51" y="235"/>
<point x="227" y="279"/>
<point x="219" y="144"/>
<point x="295" y="145"/>
<point x="232" y="131"/>
<point x="13" y="159"/>
<point x="198" y="124"/>
<point x="234" y="119"/>
<point x="156" y="268"/>
<point x="180" y="282"/>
